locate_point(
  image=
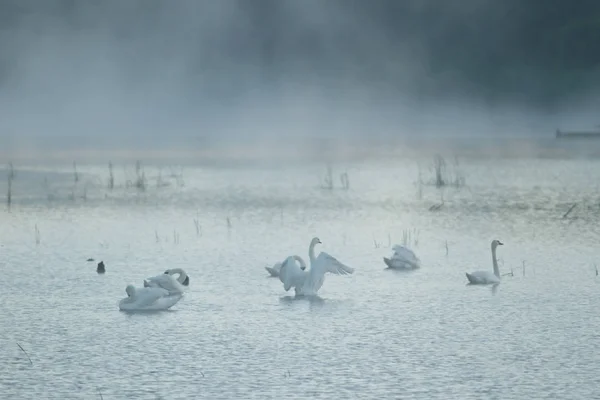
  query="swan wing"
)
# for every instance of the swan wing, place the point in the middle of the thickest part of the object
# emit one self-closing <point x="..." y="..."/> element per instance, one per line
<point x="164" y="303"/>
<point x="165" y="281"/>
<point x="482" y="277"/>
<point x="323" y="264"/>
<point x="150" y="298"/>
<point x="274" y="270"/>
<point x="290" y="274"/>
<point x="398" y="263"/>
<point x="328" y="263"/>
<point x="406" y="254"/>
<point x="148" y="295"/>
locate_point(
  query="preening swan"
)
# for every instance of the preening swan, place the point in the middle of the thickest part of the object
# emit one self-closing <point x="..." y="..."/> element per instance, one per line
<point x="403" y="258"/>
<point x="308" y="282"/>
<point x="274" y="270"/>
<point x="148" y="299"/>
<point x="487" y="277"/>
<point x="168" y="282"/>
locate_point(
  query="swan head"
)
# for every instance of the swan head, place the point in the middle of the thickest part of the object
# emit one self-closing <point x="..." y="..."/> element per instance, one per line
<point x="130" y="290"/>
<point x="186" y="280"/>
<point x="315" y="241"/>
<point x="496" y="243"/>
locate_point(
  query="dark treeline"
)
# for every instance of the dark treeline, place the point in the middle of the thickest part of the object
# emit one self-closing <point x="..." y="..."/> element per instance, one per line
<point x="539" y="51"/>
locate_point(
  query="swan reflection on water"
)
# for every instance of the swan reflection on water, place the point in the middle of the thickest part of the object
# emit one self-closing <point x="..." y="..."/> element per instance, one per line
<point x="300" y="297"/>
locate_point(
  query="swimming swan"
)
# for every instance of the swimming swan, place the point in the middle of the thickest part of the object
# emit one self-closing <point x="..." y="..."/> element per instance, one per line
<point x="148" y="299"/>
<point x="274" y="270"/>
<point x="168" y="282"/>
<point x="403" y="258"/>
<point x="487" y="277"/>
<point x="309" y="282"/>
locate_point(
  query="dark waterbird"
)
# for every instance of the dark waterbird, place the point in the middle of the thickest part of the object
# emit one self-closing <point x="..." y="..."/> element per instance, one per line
<point x="100" y="268"/>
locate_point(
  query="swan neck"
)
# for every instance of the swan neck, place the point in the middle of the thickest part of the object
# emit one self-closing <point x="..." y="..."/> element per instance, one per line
<point x="301" y="261"/>
<point x="181" y="274"/>
<point x="311" y="252"/>
<point x="495" y="263"/>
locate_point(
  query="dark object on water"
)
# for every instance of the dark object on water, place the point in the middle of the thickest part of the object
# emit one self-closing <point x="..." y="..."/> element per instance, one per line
<point x="90" y="259"/>
<point x="100" y="268"/>
<point x="577" y="135"/>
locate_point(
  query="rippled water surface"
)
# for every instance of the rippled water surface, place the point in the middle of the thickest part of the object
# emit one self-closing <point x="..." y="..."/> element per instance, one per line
<point x="237" y="334"/>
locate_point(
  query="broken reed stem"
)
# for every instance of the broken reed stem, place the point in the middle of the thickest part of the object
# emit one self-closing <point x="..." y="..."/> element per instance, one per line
<point x="27" y="355"/>
<point x="569" y="211"/>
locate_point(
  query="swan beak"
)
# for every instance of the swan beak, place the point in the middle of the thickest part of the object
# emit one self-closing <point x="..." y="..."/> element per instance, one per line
<point x="186" y="282"/>
<point x="500" y="243"/>
<point x="146" y="283"/>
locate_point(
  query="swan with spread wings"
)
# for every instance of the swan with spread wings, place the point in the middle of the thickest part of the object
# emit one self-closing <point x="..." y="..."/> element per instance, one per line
<point x="308" y="282"/>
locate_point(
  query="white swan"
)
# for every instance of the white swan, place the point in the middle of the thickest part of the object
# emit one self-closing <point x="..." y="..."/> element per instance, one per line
<point x="168" y="282"/>
<point x="487" y="277"/>
<point x="148" y="299"/>
<point x="403" y="258"/>
<point x="309" y="282"/>
<point x="274" y="270"/>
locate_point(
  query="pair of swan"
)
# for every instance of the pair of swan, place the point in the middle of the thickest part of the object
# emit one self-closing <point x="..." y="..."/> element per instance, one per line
<point x="406" y="259"/>
<point x="293" y="272"/>
<point x="160" y="292"/>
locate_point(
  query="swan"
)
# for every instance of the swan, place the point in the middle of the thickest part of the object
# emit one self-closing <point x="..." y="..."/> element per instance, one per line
<point x="274" y="270"/>
<point x="148" y="299"/>
<point x="487" y="277"/>
<point x="308" y="282"/>
<point x="403" y="258"/>
<point x="168" y="282"/>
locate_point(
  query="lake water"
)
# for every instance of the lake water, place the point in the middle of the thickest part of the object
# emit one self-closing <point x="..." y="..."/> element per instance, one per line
<point x="236" y="334"/>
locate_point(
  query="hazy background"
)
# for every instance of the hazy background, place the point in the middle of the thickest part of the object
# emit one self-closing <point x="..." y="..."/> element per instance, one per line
<point x="187" y="74"/>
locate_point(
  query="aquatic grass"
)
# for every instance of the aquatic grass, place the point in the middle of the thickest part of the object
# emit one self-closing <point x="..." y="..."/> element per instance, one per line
<point x="328" y="180"/>
<point x="442" y="176"/>
<point x="75" y="173"/>
<point x="345" y="181"/>
<point x="410" y="238"/>
<point x="197" y="225"/>
<point x="10" y="177"/>
<point x="37" y="236"/>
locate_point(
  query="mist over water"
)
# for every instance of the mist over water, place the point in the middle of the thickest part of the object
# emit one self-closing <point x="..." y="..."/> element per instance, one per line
<point x="152" y="75"/>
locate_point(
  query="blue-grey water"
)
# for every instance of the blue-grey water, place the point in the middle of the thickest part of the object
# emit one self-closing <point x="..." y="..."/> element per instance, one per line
<point x="236" y="334"/>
